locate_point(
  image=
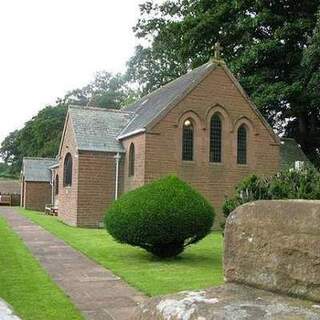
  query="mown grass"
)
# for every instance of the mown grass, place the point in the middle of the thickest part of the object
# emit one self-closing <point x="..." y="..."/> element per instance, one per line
<point x="200" y="266"/>
<point x="26" y="286"/>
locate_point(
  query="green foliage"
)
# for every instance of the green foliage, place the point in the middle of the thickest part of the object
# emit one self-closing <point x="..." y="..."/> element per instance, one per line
<point x="162" y="217"/>
<point x="199" y="266"/>
<point x="5" y="171"/>
<point x="40" y="137"/>
<point x="272" y="47"/>
<point x="26" y="286"/>
<point x="287" y="184"/>
<point x="105" y="91"/>
<point x="229" y="205"/>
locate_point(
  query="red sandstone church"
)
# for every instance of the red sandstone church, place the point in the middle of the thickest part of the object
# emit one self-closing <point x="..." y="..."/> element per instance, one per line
<point x="201" y="127"/>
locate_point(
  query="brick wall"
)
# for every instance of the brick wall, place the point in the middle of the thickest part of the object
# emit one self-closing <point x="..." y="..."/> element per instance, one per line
<point x="84" y="203"/>
<point x="68" y="196"/>
<point x="162" y="145"/>
<point x="36" y="195"/>
<point x="96" y="186"/>
<point x="158" y="153"/>
<point x="138" y="178"/>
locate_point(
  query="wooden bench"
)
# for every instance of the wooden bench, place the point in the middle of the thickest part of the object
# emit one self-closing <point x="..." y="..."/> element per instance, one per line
<point x="5" y="200"/>
<point x="51" y="210"/>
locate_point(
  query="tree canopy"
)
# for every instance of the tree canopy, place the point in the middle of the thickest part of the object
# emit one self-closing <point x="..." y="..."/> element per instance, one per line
<point x="105" y="91"/>
<point x="271" y="46"/>
<point x="40" y="137"/>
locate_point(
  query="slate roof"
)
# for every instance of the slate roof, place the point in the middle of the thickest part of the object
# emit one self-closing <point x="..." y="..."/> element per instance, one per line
<point x="37" y="169"/>
<point x="290" y="152"/>
<point x="96" y="129"/>
<point x="152" y="105"/>
<point x="9" y="187"/>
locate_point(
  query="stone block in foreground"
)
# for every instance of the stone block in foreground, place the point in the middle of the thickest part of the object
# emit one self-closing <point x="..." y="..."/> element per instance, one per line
<point x="228" y="302"/>
<point x="275" y="245"/>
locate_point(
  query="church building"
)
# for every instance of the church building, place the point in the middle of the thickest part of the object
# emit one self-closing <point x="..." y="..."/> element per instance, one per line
<point x="201" y="127"/>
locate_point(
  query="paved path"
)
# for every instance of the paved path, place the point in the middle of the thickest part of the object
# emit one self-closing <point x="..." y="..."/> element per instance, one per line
<point x="97" y="293"/>
<point x="6" y="313"/>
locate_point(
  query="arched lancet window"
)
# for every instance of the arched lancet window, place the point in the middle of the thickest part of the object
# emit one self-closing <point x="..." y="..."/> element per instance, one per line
<point x="131" y="160"/>
<point x="67" y="170"/>
<point x="242" y="145"/>
<point x="215" y="138"/>
<point x="57" y="184"/>
<point x="187" y="140"/>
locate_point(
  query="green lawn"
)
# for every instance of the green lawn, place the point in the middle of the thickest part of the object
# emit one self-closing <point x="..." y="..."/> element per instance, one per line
<point x="26" y="286"/>
<point x="200" y="266"/>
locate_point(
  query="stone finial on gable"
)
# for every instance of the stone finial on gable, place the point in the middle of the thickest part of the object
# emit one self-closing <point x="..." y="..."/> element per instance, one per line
<point x="217" y="49"/>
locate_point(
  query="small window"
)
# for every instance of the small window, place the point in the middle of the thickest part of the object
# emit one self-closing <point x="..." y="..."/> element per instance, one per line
<point x="242" y="145"/>
<point x="67" y="178"/>
<point x="187" y="140"/>
<point x="57" y="184"/>
<point x="131" y="160"/>
<point x="215" y="139"/>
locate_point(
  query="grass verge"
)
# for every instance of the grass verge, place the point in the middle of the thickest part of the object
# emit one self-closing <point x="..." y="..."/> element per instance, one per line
<point x="26" y="286"/>
<point x="200" y="266"/>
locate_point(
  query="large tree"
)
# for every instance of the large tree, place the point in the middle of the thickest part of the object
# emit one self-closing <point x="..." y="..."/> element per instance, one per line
<point x="105" y="91"/>
<point x="40" y="137"/>
<point x="269" y="45"/>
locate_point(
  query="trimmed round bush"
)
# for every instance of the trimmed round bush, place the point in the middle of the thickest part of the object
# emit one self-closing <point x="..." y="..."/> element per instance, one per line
<point x="162" y="217"/>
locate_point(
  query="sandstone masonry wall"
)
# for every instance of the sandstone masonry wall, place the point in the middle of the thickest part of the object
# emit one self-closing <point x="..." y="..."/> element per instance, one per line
<point x="158" y="152"/>
<point x="68" y="195"/>
<point x="36" y="195"/>
<point x="96" y="186"/>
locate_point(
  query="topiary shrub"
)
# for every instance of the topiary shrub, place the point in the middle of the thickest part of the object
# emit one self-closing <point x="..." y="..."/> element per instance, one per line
<point x="162" y="217"/>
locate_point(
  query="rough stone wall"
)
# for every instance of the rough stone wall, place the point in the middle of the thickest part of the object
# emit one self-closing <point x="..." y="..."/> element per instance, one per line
<point x="227" y="302"/>
<point x="275" y="245"/>
<point x="68" y="196"/>
<point x="138" y="179"/>
<point x="216" y="93"/>
<point x="36" y="195"/>
<point x="96" y="186"/>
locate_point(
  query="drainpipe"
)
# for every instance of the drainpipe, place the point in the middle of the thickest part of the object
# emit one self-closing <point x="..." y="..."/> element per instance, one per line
<point x="21" y="189"/>
<point x="52" y="187"/>
<point x="117" y="157"/>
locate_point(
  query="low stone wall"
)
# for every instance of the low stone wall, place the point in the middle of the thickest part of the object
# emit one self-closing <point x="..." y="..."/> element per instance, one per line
<point x="228" y="302"/>
<point x="269" y="245"/>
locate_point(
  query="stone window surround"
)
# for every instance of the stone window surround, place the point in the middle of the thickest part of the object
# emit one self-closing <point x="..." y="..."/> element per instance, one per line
<point x="131" y="162"/>
<point x="67" y="171"/>
<point x="227" y="126"/>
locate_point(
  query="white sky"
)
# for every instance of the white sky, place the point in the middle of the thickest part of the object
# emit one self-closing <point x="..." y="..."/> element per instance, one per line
<point x="48" y="47"/>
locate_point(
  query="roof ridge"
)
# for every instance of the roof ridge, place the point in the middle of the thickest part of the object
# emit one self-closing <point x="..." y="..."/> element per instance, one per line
<point x="100" y="109"/>
<point x="38" y="158"/>
<point x="173" y="92"/>
<point x="164" y="86"/>
<point x="127" y="125"/>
